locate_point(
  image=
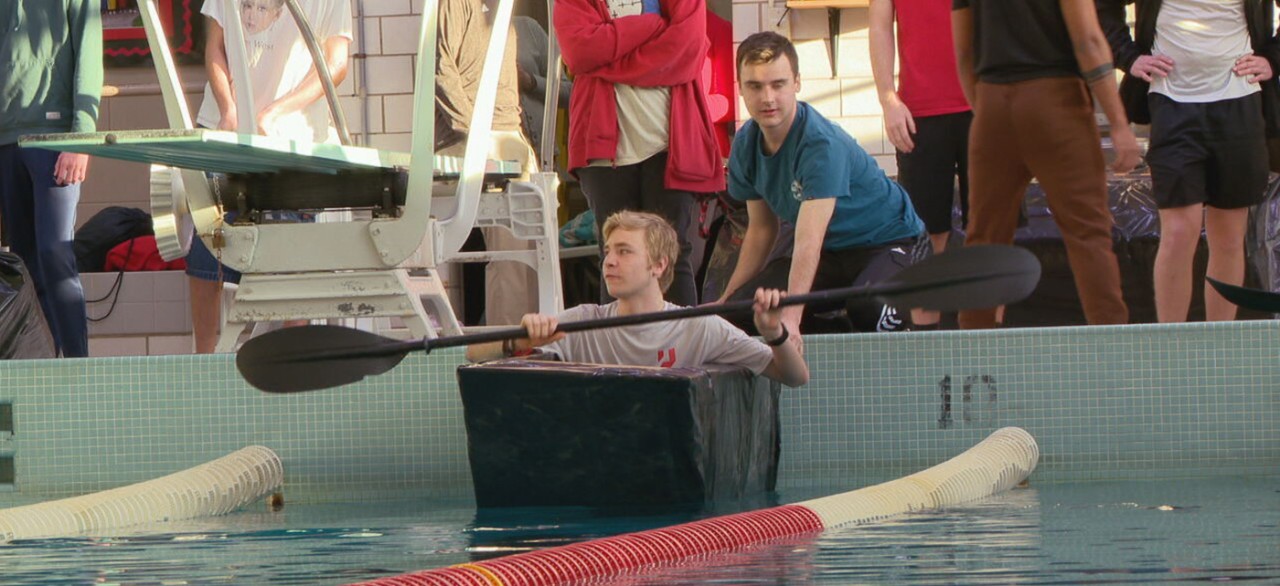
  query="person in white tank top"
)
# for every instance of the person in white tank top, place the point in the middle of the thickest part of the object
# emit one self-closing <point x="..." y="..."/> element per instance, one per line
<point x="1206" y="39"/>
<point x="1208" y="152"/>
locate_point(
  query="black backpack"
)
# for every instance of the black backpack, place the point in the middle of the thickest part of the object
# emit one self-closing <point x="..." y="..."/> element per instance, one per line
<point x="104" y="231"/>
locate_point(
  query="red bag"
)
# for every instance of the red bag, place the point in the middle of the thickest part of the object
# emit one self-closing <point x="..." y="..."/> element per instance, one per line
<point x="140" y="254"/>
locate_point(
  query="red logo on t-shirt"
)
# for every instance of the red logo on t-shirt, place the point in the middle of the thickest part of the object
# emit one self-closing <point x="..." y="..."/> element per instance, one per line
<point x="667" y="358"/>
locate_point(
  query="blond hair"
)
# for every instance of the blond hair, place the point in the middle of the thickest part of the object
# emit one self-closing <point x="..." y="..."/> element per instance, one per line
<point x="659" y="239"/>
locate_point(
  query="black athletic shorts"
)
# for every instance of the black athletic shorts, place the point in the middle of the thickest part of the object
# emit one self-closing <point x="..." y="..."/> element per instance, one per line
<point x="1212" y="153"/>
<point x="845" y="268"/>
<point x="929" y="171"/>
<point x="866" y="266"/>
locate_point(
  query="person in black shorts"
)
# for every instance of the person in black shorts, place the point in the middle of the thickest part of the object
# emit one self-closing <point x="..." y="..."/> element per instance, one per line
<point x="926" y="115"/>
<point x="1204" y="92"/>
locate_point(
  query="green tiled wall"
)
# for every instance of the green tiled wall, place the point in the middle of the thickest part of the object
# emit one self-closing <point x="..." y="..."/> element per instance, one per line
<point x="1104" y="403"/>
<point x="85" y="425"/>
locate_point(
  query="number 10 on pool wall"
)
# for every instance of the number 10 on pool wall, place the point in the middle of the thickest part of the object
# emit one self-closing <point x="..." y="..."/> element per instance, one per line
<point x="977" y="400"/>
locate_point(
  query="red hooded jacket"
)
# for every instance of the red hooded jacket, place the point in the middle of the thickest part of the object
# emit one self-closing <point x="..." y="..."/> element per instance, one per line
<point x="647" y="50"/>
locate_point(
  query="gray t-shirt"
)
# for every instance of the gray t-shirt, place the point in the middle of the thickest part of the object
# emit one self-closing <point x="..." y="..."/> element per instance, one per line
<point x="669" y="344"/>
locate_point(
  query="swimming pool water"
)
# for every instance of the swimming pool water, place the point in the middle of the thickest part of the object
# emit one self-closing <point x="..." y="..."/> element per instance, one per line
<point x="1090" y="533"/>
<point x="1099" y="533"/>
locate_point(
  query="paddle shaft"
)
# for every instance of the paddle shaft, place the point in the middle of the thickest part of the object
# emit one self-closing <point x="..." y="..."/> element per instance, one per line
<point x="727" y="308"/>
<point x="429" y="344"/>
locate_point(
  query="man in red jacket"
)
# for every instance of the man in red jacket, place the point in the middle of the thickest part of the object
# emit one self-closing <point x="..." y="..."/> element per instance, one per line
<point x="640" y="134"/>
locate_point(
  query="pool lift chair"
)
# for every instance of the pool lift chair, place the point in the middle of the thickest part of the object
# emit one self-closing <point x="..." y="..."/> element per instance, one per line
<point x="381" y="263"/>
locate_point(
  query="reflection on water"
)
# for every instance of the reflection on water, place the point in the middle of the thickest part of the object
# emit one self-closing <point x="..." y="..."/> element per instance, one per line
<point x="1100" y="533"/>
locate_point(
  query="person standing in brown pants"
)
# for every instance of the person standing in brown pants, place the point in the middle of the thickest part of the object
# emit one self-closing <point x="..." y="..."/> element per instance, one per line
<point x="1029" y="74"/>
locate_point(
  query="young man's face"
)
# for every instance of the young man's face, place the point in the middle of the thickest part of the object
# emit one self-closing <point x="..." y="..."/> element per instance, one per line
<point x="769" y="90"/>
<point x="626" y="269"/>
<point x="257" y="15"/>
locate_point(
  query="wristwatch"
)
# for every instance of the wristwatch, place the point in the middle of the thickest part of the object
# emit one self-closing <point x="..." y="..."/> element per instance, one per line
<point x="780" y="340"/>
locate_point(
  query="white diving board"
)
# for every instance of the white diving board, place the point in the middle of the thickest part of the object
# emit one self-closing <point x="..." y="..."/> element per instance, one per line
<point x="377" y="265"/>
<point x="220" y="151"/>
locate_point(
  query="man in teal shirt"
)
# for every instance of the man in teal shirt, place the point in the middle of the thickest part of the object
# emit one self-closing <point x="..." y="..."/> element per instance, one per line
<point x="52" y="52"/>
<point x="853" y="225"/>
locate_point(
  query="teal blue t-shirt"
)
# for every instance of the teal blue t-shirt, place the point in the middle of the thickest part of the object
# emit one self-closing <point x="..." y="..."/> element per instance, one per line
<point x="819" y="160"/>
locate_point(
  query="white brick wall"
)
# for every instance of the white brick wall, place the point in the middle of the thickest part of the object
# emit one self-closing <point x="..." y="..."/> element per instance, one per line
<point x="392" y="29"/>
<point x="387" y="7"/>
<point x="147" y="314"/>
<point x="398" y="113"/>
<point x="400" y="34"/>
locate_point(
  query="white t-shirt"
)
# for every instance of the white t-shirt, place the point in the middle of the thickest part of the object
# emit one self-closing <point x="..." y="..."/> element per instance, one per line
<point x="1204" y="38"/>
<point x="681" y="343"/>
<point x="279" y="60"/>
<point x="644" y="113"/>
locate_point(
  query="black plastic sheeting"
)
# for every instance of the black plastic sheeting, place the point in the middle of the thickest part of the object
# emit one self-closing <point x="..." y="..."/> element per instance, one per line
<point x="23" y="331"/>
<point x="1136" y="236"/>
<point x="1263" y="239"/>
<point x="543" y="433"/>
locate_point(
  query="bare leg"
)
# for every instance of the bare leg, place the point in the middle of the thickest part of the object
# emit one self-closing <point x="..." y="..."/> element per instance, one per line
<point x="1179" y="235"/>
<point x="939" y="242"/>
<point x="206" y="313"/>
<point x="923" y="317"/>
<point x="1226" y="230"/>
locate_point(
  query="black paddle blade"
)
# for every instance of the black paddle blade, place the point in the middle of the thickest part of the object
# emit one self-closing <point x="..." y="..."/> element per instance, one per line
<point x="1255" y="299"/>
<point x="972" y="277"/>
<point x="307" y="358"/>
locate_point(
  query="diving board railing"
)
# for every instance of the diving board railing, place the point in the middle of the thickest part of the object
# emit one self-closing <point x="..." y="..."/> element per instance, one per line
<point x="355" y="268"/>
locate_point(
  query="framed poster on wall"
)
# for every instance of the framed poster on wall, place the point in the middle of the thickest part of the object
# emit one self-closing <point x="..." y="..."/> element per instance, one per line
<point x="124" y="40"/>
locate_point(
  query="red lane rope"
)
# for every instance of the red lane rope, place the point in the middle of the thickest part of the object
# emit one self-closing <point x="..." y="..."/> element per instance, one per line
<point x="617" y="554"/>
<point x="995" y="464"/>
